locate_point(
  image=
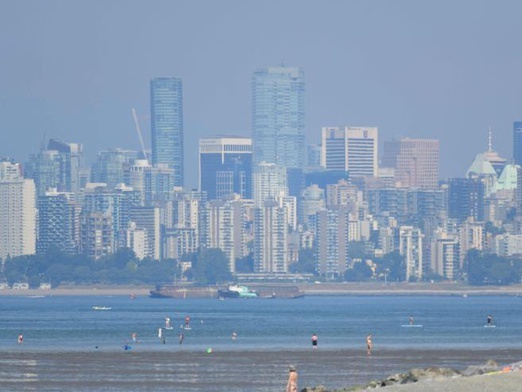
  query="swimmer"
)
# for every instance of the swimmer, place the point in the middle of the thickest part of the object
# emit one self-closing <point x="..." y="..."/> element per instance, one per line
<point x="234" y="335"/>
<point x="20" y="339"/>
<point x="134" y="337"/>
<point x="314" y="341"/>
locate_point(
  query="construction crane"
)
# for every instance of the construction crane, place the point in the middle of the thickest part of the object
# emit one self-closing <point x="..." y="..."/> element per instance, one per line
<point x="138" y="129"/>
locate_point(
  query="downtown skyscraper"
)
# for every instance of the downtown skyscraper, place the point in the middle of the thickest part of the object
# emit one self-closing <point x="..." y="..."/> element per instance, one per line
<point x="278" y="116"/>
<point x="166" y="100"/>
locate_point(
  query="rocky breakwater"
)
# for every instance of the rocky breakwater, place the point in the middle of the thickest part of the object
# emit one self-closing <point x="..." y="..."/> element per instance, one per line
<point x="423" y="379"/>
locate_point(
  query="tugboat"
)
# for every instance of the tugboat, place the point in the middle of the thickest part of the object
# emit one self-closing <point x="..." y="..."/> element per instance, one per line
<point x="235" y="291"/>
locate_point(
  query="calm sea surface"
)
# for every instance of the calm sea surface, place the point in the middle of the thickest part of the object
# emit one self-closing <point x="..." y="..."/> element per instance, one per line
<point x="69" y="346"/>
<point x="70" y="323"/>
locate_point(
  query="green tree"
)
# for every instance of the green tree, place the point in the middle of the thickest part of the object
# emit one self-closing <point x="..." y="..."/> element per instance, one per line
<point x="306" y="264"/>
<point x="212" y="267"/>
<point x="245" y="265"/>
<point x="360" y="272"/>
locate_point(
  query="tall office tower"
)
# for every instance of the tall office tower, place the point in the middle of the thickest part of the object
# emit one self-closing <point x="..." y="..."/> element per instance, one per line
<point x="166" y="99"/>
<point x="517" y="142"/>
<point x="96" y="234"/>
<point x="416" y="162"/>
<point x="71" y="164"/>
<point x="149" y="218"/>
<point x="225" y="167"/>
<point x="58" y="222"/>
<point x="352" y="149"/>
<point x="278" y="116"/>
<point x="444" y="254"/>
<point x="17" y="212"/>
<point x="332" y="237"/>
<point x="466" y="199"/>
<point x="270" y="238"/>
<point x="110" y="165"/>
<point x="59" y="166"/>
<point x="227" y="221"/>
<point x="410" y="246"/>
<point x="269" y="182"/>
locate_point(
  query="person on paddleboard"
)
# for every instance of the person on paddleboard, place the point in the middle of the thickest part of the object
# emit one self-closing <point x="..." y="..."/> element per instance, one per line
<point x="489" y="320"/>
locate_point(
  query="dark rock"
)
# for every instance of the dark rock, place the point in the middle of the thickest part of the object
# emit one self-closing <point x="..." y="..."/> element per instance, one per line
<point x="318" y="388"/>
<point x="489" y="367"/>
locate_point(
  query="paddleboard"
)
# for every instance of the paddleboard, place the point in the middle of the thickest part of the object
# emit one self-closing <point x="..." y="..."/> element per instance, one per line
<point x="490" y="326"/>
<point x="187" y="328"/>
<point x="412" y="326"/>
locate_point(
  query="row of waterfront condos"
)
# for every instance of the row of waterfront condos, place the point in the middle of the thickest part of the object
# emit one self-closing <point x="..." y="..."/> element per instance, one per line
<point x="268" y="196"/>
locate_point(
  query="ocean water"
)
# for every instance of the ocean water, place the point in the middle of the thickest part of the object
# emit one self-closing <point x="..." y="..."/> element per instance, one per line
<point x="63" y="324"/>
<point x="69" y="346"/>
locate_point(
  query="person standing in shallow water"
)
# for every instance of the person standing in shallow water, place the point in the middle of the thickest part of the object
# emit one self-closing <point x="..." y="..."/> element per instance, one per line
<point x="314" y="341"/>
<point x="369" y="344"/>
<point x="291" y="385"/>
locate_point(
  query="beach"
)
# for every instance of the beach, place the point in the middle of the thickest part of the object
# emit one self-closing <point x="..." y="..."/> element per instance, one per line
<point x="253" y="370"/>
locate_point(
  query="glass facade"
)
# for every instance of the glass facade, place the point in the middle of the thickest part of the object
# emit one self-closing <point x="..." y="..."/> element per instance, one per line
<point x="167" y="125"/>
<point x="278" y="116"/>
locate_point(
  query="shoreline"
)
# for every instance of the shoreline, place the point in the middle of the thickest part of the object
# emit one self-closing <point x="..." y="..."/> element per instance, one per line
<point x="230" y="371"/>
<point x="323" y="289"/>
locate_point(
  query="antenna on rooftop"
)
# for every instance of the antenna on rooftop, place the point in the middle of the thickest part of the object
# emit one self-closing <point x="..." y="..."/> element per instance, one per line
<point x="138" y="129"/>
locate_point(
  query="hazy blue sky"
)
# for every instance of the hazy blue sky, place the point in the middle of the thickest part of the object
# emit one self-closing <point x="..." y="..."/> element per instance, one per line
<point x="432" y="69"/>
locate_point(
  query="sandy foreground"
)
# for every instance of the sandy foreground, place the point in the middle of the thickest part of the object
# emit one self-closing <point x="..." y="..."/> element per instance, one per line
<point x="180" y="369"/>
<point x="507" y="382"/>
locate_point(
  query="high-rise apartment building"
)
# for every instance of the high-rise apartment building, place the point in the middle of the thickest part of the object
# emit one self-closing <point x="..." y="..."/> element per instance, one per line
<point x="166" y="101"/>
<point x="225" y="167"/>
<point x="410" y="246"/>
<point x="148" y="218"/>
<point x="332" y="238"/>
<point x="517" y="142"/>
<point x="416" y="162"/>
<point x="17" y="212"/>
<point x="58" y="222"/>
<point x="270" y="238"/>
<point x="278" y="116"/>
<point x="351" y="149"/>
<point x="269" y="182"/>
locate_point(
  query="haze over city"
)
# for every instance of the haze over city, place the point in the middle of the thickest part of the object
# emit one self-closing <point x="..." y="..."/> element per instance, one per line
<point x="444" y="70"/>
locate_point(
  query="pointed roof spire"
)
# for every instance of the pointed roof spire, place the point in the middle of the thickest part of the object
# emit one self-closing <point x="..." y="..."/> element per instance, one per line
<point x="490" y="146"/>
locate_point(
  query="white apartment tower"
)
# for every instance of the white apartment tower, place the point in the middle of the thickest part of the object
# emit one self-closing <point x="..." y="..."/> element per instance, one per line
<point x="270" y="238"/>
<point x="17" y="212"/>
<point x="410" y="246"/>
<point x="352" y="149"/>
<point x="269" y="182"/>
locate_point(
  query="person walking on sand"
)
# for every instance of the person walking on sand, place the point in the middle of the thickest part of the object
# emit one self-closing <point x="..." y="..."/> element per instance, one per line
<point x="314" y="341"/>
<point x="369" y="344"/>
<point x="291" y="385"/>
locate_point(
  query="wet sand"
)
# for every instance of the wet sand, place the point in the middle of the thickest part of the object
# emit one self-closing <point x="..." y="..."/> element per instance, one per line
<point x="180" y="370"/>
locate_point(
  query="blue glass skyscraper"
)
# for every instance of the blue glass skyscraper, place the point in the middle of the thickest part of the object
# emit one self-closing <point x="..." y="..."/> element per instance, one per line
<point x="166" y="101"/>
<point x="278" y="116"/>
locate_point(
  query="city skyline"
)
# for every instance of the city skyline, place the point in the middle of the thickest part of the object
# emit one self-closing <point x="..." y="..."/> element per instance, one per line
<point x="448" y="83"/>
